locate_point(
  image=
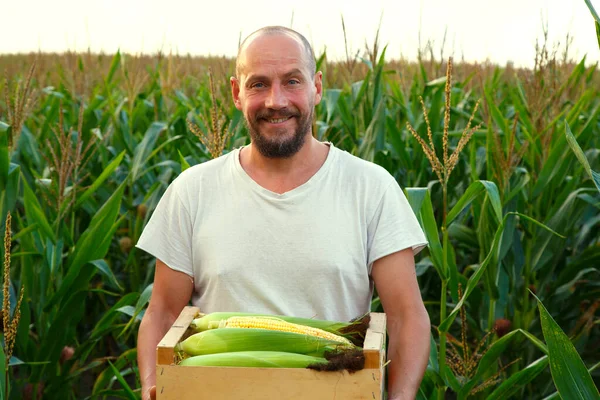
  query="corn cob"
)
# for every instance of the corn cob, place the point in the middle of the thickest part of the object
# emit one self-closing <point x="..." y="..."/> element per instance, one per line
<point x="354" y="330"/>
<point x="276" y="324"/>
<point x="264" y="359"/>
<point x="254" y="339"/>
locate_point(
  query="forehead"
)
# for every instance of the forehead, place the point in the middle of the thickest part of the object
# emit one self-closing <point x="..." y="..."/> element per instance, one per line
<point x="269" y="52"/>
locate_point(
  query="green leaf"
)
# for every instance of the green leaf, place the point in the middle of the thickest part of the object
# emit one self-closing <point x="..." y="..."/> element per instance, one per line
<point x="9" y="193"/>
<point x="555" y="395"/>
<point x="61" y="331"/>
<point x="184" y="164"/>
<point x="130" y="394"/>
<point x="550" y="167"/>
<point x="486" y="363"/>
<point x="107" y="322"/>
<point x="15" y="361"/>
<point x="474" y="279"/>
<point x="92" y="245"/>
<point x="570" y="376"/>
<point x="108" y="170"/>
<point x="105" y="270"/>
<point x="4" y="154"/>
<point x="593" y="11"/>
<point x="141" y="303"/>
<point x="3" y="368"/>
<point x="144" y="298"/>
<point x="517" y="380"/>
<point x="54" y="255"/>
<point x="116" y="61"/>
<point x="536" y="342"/>
<point x="421" y="197"/>
<point x="34" y="212"/>
<point x="474" y="190"/>
<point x="581" y="157"/>
<point x="144" y="149"/>
<point x="598" y="33"/>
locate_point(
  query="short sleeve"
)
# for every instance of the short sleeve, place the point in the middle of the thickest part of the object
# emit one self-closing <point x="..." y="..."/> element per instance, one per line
<point x="168" y="234"/>
<point x="394" y="226"/>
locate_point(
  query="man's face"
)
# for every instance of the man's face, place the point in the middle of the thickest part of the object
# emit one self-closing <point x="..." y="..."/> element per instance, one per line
<point x="277" y="94"/>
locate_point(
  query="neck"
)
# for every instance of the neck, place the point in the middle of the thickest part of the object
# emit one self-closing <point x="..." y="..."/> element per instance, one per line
<point x="252" y="159"/>
<point x="284" y="174"/>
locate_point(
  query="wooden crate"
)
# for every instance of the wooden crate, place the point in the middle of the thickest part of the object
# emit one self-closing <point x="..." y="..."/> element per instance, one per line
<point x="174" y="382"/>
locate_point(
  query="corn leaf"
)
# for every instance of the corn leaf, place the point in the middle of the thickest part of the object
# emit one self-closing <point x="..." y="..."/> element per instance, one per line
<point x="116" y="61"/>
<point x="92" y="245"/>
<point x="145" y="147"/>
<point x="104" y="269"/>
<point x="61" y="332"/>
<point x="474" y="279"/>
<point x="581" y="156"/>
<point x="551" y="167"/>
<point x="107" y="322"/>
<point x="555" y="395"/>
<point x="34" y="212"/>
<point x="108" y="170"/>
<point x="126" y="389"/>
<point x="139" y="307"/>
<point x="3" y="368"/>
<point x="489" y="358"/>
<point x="423" y="208"/>
<point x="9" y="193"/>
<point x="5" y="131"/>
<point x="184" y="164"/>
<point x="593" y="11"/>
<point x="569" y="373"/>
<point x="107" y="376"/>
<point x="474" y="190"/>
<point x="517" y="380"/>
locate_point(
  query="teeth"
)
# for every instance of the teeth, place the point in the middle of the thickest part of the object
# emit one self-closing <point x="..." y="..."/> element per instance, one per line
<point x="278" y="120"/>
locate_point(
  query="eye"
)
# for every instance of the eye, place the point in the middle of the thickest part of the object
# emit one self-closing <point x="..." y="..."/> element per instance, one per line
<point x="257" y="85"/>
<point x="294" y="82"/>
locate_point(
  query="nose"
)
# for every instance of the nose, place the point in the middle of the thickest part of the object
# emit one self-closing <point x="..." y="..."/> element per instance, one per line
<point x="276" y="98"/>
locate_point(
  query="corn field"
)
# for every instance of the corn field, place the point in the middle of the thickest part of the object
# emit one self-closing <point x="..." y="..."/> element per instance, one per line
<point x="498" y="164"/>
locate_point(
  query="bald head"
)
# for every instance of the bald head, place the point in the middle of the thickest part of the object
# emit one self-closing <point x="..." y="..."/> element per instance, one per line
<point x="274" y="31"/>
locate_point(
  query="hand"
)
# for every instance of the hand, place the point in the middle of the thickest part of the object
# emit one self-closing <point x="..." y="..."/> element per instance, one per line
<point x="150" y="394"/>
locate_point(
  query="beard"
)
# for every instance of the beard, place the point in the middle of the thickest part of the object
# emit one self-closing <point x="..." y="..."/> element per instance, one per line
<point x="280" y="146"/>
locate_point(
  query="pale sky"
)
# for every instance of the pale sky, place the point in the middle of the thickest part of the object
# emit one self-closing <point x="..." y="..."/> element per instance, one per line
<point x="476" y="29"/>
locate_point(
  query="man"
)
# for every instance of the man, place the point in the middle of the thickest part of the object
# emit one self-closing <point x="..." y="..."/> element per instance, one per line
<point x="287" y="225"/>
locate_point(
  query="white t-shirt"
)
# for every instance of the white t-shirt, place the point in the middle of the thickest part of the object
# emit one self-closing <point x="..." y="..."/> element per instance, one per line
<point x="306" y="253"/>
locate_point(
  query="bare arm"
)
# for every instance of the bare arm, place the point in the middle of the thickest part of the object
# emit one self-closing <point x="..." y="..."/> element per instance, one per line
<point x="407" y="323"/>
<point x="171" y="292"/>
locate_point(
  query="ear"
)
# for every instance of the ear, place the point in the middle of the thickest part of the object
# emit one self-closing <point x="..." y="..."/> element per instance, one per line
<point x="319" y="87"/>
<point x="235" y="92"/>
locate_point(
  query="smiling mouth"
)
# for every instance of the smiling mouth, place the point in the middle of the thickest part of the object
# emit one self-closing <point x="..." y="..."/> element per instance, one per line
<point x="277" y="120"/>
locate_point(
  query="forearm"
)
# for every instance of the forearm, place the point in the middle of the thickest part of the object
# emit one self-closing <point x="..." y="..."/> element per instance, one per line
<point x="152" y="329"/>
<point x="408" y="352"/>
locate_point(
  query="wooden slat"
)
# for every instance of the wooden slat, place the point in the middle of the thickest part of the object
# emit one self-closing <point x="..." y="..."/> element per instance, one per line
<point x="375" y="340"/>
<point x="225" y="383"/>
<point x="164" y="351"/>
<point x="228" y="383"/>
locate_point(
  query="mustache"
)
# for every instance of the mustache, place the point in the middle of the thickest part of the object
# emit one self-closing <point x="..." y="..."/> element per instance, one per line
<point x="271" y="114"/>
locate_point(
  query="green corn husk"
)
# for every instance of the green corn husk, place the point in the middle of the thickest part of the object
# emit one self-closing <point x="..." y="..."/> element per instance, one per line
<point x="254" y="339"/>
<point x="354" y="330"/>
<point x="262" y="359"/>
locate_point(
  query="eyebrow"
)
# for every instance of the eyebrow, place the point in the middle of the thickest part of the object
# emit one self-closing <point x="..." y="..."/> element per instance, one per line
<point x="293" y="72"/>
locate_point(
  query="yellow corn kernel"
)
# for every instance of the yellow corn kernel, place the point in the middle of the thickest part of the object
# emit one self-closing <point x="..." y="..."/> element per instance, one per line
<point x="277" y="324"/>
